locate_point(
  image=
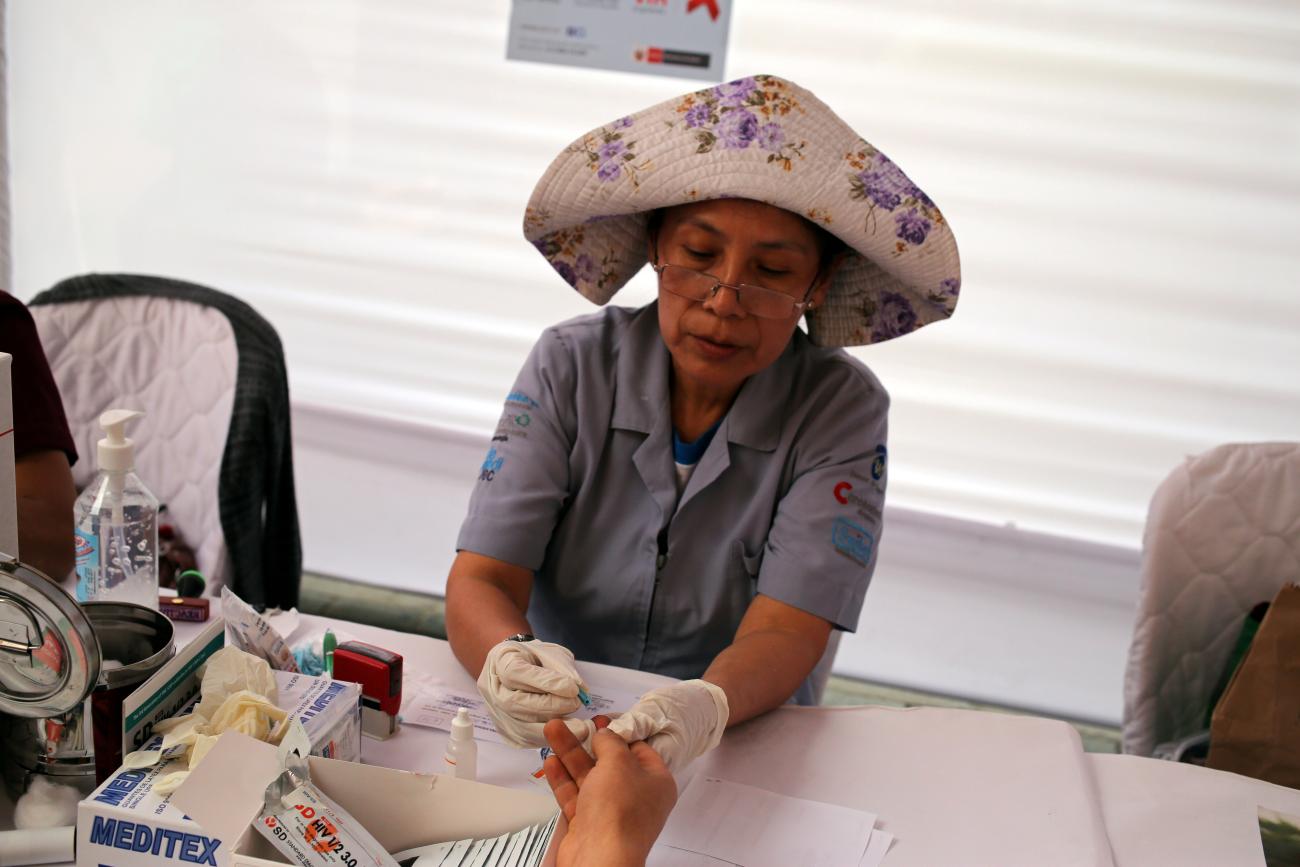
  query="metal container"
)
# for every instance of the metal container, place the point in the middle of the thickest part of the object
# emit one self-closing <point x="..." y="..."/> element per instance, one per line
<point x="65" y="670"/>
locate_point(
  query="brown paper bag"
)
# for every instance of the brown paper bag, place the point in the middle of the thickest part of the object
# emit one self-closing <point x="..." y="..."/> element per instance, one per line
<point x="1255" y="729"/>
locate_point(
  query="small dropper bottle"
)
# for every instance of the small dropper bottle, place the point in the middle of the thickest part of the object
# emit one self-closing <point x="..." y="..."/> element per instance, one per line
<point x="461" y="758"/>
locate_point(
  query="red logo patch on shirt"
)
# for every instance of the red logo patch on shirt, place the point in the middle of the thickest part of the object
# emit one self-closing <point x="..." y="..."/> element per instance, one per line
<point x="840" y="490"/>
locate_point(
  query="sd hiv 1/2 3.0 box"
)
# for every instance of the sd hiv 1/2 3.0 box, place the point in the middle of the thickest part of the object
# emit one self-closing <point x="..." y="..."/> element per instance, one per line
<point x="401" y="810"/>
<point x="125" y="823"/>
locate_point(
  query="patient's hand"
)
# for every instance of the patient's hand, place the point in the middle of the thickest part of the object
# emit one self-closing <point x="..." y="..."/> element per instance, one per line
<point x="616" y="804"/>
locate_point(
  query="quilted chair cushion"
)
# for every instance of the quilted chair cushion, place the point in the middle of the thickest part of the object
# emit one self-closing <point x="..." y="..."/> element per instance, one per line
<point x="1222" y="535"/>
<point x="176" y="361"/>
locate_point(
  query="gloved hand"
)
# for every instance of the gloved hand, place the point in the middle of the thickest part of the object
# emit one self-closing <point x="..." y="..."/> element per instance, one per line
<point x="527" y="683"/>
<point x="681" y="722"/>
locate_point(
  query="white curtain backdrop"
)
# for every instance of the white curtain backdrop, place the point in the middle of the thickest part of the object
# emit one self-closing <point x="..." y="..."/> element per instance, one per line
<point x="1123" y="178"/>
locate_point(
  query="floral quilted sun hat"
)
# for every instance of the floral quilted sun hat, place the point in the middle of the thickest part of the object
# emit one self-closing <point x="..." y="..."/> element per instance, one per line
<point x="760" y="138"/>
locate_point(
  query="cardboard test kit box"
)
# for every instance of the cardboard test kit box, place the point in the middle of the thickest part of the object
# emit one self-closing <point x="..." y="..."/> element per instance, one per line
<point x="125" y="823"/>
<point x="401" y="809"/>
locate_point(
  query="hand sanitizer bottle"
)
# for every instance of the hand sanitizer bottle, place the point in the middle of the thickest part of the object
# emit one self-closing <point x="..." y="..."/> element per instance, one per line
<point x="461" y="758"/>
<point x="117" y="524"/>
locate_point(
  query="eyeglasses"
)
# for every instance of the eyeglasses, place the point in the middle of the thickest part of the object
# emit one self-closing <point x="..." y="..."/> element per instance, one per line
<point x="755" y="300"/>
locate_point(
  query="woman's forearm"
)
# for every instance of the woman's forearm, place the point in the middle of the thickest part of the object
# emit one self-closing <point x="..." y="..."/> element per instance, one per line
<point x="760" y="672"/>
<point x="775" y="649"/>
<point x="485" y="605"/>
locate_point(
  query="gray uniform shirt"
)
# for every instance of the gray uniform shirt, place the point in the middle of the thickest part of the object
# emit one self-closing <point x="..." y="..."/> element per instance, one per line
<point x="579" y="487"/>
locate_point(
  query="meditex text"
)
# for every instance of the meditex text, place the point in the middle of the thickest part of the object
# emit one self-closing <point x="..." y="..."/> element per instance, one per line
<point x="162" y="842"/>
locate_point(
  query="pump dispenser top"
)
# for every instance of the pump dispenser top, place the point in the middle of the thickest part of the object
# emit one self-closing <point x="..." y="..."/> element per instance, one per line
<point x="116" y="450"/>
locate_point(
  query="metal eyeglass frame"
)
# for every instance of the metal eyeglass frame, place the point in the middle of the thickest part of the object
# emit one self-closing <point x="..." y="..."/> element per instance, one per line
<point x="739" y="288"/>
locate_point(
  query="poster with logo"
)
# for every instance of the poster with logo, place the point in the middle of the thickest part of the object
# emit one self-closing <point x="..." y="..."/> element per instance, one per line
<point x="683" y="38"/>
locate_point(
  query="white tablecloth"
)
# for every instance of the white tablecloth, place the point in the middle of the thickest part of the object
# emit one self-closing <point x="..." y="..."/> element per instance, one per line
<point x="940" y="780"/>
<point x="954" y="786"/>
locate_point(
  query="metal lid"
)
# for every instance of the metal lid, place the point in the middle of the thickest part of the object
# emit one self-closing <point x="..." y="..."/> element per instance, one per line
<point x="49" y="655"/>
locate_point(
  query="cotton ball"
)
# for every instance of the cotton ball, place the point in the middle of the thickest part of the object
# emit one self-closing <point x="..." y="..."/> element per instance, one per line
<point x="46" y="805"/>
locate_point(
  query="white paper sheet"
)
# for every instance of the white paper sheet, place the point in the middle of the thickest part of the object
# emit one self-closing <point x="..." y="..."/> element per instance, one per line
<point x="757" y="828"/>
<point x="667" y="856"/>
<point x="490" y="851"/>
<point x="877" y="849"/>
<point x="424" y="856"/>
<point x="428" y="701"/>
<point x="537" y="846"/>
<point x="523" y="848"/>
<point x="515" y="849"/>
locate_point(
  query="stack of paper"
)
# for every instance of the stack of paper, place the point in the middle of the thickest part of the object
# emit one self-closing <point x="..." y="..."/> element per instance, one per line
<point x="524" y="848"/>
<point x="719" y="822"/>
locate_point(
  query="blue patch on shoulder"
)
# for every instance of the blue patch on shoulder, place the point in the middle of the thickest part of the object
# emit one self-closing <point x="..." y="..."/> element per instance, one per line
<point x="852" y="541"/>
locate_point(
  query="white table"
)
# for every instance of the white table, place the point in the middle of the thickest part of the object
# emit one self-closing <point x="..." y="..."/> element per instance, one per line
<point x="917" y="769"/>
<point x="1152" y="812"/>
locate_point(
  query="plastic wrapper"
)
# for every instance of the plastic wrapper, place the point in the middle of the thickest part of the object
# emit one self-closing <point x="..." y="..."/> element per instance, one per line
<point x="305" y="826"/>
<point x="251" y="633"/>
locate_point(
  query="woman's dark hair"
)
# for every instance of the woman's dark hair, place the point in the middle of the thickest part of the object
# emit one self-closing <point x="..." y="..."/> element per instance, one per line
<point x="828" y="246"/>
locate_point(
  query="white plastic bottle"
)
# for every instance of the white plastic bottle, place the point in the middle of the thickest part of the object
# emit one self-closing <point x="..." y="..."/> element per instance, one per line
<point x="117" y="524"/>
<point x="461" y="758"/>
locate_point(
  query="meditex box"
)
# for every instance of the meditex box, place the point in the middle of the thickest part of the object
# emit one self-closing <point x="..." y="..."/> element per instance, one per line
<point x="124" y="823"/>
<point x="401" y="809"/>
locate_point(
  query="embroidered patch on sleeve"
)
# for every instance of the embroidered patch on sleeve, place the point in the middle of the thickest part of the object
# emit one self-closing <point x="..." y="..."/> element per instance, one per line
<point x="491" y="466"/>
<point x="852" y="541"/>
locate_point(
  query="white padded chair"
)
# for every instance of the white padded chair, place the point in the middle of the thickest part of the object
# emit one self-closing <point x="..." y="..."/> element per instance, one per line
<point x="1222" y="535"/>
<point x="213" y="444"/>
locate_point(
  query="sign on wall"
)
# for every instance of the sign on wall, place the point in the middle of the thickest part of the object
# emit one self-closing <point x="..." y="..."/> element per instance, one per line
<point x="683" y="38"/>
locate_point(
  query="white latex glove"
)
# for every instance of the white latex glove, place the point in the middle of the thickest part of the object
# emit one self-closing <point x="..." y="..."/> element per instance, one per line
<point x="525" y="684"/>
<point x="681" y="722"/>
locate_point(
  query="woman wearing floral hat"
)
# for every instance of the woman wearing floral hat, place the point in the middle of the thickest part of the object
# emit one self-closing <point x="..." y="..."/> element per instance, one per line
<point x="695" y="487"/>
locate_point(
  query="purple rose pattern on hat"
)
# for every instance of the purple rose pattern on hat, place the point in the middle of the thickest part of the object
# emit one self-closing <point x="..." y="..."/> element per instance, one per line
<point x="573" y="261"/>
<point x="876" y="180"/>
<point x="945" y="297"/>
<point x="609" y="155"/>
<point x="742" y="114"/>
<point x="584" y="269"/>
<point x="891" y="317"/>
<point x="912" y="226"/>
<point x="737" y="129"/>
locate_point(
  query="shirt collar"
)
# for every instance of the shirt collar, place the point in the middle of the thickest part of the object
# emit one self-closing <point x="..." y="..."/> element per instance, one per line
<point x="641" y="396"/>
<point x="755" y="417"/>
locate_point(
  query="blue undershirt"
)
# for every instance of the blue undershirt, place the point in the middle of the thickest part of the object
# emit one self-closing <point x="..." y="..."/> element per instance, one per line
<point x="687" y="455"/>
